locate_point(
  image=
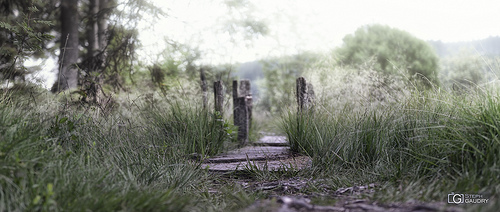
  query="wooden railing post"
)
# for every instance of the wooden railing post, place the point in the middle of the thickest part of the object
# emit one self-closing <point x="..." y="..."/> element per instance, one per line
<point x="219" y="97"/>
<point x="204" y="88"/>
<point x="305" y="95"/>
<point x="245" y="91"/>
<point x="242" y="109"/>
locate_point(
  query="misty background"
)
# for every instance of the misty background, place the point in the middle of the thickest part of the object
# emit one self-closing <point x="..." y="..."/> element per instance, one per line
<point x="270" y="43"/>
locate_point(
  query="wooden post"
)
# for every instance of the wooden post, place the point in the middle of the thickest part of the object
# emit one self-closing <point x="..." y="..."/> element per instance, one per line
<point x="249" y="105"/>
<point x="204" y="88"/>
<point x="246" y="91"/>
<point x="242" y="109"/>
<point x="219" y="96"/>
<point x="235" y="96"/>
<point x="305" y="95"/>
<point x="241" y="120"/>
<point x="311" y="96"/>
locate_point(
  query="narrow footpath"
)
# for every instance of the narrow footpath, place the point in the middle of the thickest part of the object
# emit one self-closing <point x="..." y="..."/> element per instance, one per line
<point x="272" y="153"/>
<point x="269" y="152"/>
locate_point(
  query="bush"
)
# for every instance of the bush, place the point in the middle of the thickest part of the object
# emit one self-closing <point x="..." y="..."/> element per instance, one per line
<point x="465" y="69"/>
<point x="390" y="50"/>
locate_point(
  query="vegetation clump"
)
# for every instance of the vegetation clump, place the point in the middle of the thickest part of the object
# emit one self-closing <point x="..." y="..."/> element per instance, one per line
<point x="409" y="137"/>
<point x="390" y="51"/>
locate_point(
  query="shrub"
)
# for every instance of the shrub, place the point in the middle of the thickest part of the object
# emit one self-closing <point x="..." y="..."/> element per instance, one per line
<point x="389" y="50"/>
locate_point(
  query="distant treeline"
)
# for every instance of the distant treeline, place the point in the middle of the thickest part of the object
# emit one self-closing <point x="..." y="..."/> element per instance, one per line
<point x="488" y="47"/>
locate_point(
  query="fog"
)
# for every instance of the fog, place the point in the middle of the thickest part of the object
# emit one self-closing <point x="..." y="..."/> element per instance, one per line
<point x="318" y="25"/>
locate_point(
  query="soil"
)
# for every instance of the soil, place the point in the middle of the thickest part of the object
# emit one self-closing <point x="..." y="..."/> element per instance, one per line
<point x="287" y="198"/>
<point x="272" y="154"/>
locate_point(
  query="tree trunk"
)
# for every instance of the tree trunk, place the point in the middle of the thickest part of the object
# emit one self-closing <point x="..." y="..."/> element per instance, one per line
<point x="102" y="22"/>
<point x="92" y="80"/>
<point x="96" y="57"/>
<point x="68" y="56"/>
<point x="92" y="36"/>
<point x="102" y="42"/>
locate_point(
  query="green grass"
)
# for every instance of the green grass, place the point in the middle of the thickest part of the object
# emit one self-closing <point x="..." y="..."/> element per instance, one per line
<point x="448" y="139"/>
<point x="58" y="157"/>
<point x="191" y="129"/>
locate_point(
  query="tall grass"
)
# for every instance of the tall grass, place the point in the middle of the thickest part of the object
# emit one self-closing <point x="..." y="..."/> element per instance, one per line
<point x="193" y="129"/>
<point x="55" y="157"/>
<point x="421" y="134"/>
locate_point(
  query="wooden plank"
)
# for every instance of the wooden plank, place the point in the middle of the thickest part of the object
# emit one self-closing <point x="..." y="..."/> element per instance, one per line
<point x="284" y="164"/>
<point x="268" y="157"/>
<point x="253" y="153"/>
<point x="272" y="141"/>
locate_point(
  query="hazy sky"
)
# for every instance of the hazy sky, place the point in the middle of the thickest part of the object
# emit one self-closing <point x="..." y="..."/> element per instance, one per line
<point x="318" y="25"/>
<point x="298" y="25"/>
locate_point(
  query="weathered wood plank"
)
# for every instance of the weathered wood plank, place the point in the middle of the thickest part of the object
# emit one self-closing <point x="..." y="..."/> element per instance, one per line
<point x="270" y="157"/>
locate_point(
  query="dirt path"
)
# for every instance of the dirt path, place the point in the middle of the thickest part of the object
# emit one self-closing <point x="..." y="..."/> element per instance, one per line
<point x="271" y="153"/>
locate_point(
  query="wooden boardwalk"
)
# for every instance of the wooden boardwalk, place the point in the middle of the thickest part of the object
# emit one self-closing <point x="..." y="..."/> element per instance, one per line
<point x="269" y="153"/>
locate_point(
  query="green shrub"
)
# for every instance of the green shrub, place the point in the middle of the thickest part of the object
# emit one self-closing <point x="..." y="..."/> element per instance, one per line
<point x="389" y="50"/>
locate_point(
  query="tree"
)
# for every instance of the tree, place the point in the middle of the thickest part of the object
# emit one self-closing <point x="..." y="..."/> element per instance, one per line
<point x="69" y="53"/>
<point x="96" y="40"/>
<point x="389" y="50"/>
<point x="241" y="22"/>
<point x="109" y="37"/>
<point x="93" y="65"/>
<point x="24" y="33"/>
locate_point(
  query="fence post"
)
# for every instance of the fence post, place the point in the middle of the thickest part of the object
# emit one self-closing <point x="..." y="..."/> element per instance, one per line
<point x="242" y="109"/>
<point x="305" y="95"/>
<point x="204" y="88"/>
<point x="245" y="91"/>
<point x="219" y="97"/>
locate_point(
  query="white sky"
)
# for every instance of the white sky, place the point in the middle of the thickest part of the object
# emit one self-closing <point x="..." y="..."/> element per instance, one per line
<point x="298" y="25"/>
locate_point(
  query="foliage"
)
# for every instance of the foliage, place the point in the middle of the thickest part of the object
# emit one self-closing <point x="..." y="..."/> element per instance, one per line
<point x="120" y="51"/>
<point x="243" y="24"/>
<point x="394" y="133"/>
<point x="465" y="69"/>
<point x="122" y="41"/>
<point x="390" y="50"/>
<point x="357" y="88"/>
<point x="279" y="79"/>
<point x="180" y="60"/>
<point x="22" y="36"/>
